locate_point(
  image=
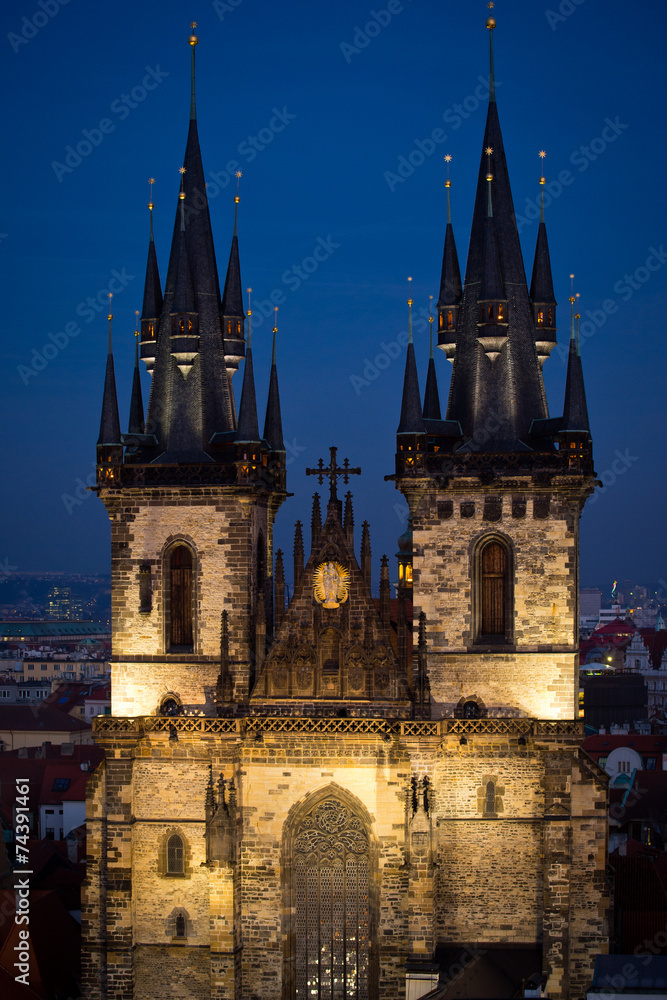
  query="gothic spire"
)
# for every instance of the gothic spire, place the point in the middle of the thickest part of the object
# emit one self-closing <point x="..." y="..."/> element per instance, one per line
<point x="136" y="421"/>
<point x="575" y="410"/>
<point x="110" y="421"/>
<point x="298" y="552"/>
<point x="366" y="553"/>
<point x="449" y="299"/>
<point x="411" y="421"/>
<point x="431" y="396"/>
<point x="273" y="425"/>
<point x="231" y="309"/>
<point x="507" y="386"/>
<point x="315" y="521"/>
<point x="541" y="287"/>
<point x="248" y="426"/>
<point x="152" y="304"/>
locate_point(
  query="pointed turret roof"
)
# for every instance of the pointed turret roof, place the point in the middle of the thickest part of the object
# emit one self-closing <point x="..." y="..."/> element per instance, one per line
<point x="273" y="424"/>
<point x="136" y="421"/>
<point x="232" y="296"/>
<point x="248" y="426"/>
<point x="189" y="414"/>
<point x="510" y="388"/>
<point x="152" y="304"/>
<point x="541" y="285"/>
<point x="110" y="421"/>
<point x="431" y="409"/>
<point x="450" y="277"/>
<point x="575" y="410"/>
<point x="411" y="421"/>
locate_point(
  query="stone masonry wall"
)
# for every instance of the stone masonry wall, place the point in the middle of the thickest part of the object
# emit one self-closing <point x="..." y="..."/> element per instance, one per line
<point x="447" y="527"/>
<point x="222" y="529"/>
<point x="453" y="874"/>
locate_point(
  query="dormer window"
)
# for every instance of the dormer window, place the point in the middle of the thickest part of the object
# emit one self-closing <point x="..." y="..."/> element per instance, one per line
<point x="540" y="317"/>
<point x="229" y="327"/>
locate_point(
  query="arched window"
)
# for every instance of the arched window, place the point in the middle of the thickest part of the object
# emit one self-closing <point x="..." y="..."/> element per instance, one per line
<point x="540" y="317"/>
<point x="180" y="925"/>
<point x="493" y="591"/>
<point x="330" y="902"/>
<point x="500" y="311"/>
<point x="471" y="710"/>
<point x="490" y="801"/>
<point x="180" y="598"/>
<point x="450" y="319"/>
<point x="175" y="864"/>
<point x="494" y="571"/>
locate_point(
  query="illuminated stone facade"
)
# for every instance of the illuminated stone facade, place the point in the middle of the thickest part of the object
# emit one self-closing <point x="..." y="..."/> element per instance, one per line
<point x="316" y="801"/>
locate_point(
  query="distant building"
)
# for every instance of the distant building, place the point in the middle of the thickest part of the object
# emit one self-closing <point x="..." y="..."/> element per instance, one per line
<point x="590" y="602"/>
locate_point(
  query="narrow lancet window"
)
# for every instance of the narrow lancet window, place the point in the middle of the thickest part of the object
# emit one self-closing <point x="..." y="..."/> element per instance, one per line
<point x="180" y="584"/>
<point x="494" y="572"/>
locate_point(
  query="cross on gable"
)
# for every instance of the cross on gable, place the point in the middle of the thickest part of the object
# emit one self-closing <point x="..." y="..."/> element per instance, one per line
<point x="333" y="471"/>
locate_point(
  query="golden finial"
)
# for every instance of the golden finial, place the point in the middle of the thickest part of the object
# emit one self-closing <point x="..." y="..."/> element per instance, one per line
<point x="430" y="308"/>
<point x="448" y="160"/>
<point x="249" y="291"/>
<point x="239" y="175"/>
<point x="541" y="155"/>
<point x="409" y="294"/>
<point x="110" y="316"/>
<point x="136" y="322"/>
<point x="275" y="319"/>
<point x="490" y="21"/>
<point x="489" y="153"/>
<point x="192" y="40"/>
<point x="151" y="181"/>
<point x="572" y="295"/>
<point x="181" y="193"/>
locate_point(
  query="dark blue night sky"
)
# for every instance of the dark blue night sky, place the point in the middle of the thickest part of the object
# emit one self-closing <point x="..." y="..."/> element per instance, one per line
<point x="339" y="116"/>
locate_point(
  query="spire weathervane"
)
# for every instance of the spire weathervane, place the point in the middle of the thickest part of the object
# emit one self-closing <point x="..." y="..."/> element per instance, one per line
<point x="110" y="317"/>
<point x="192" y="41"/>
<point x="430" y="325"/>
<point x="333" y="471"/>
<point x="409" y="312"/>
<point x="491" y="23"/>
<point x="237" y="198"/>
<point x="489" y="177"/>
<point x="275" y="334"/>
<point x="448" y="184"/>
<point x="249" y="315"/>
<point x="543" y="181"/>
<point x="151" y="182"/>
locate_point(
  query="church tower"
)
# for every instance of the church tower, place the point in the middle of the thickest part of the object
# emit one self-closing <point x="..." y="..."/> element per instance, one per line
<point x="193" y="500"/>
<point x="343" y="796"/>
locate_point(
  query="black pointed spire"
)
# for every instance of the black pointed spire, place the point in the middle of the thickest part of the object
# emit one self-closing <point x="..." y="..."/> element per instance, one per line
<point x="431" y="409"/>
<point x="506" y="384"/>
<point x="411" y="421"/>
<point x="248" y="426"/>
<point x="279" y="587"/>
<point x="136" y="421"/>
<point x="449" y="299"/>
<point x="273" y="424"/>
<point x="542" y="288"/>
<point x="231" y="309"/>
<point x="152" y="304"/>
<point x="110" y="421"/>
<point x="348" y="519"/>
<point x="575" y="410"/>
<point x="366" y="553"/>
<point x="315" y="521"/>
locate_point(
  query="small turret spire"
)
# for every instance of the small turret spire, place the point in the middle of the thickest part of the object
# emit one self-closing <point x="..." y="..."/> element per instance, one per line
<point x="273" y="424"/>
<point x="431" y="409"/>
<point x="575" y="410"/>
<point x="192" y="40"/>
<point x="136" y="421"/>
<point x="152" y="304"/>
<point x="298" y="552"/>
<point x="348" y="519"/>
<point x="449" y="299"/>
<point x="411" y="421"/>
<point x="110" y="421"/>
<point x="366" y="553"/>
<point x="279" y="587"/>
<point x="248" y="426"/>
<point x="315" y="521"/>
<point x="542" y="295"/>
<point x="231" y="309"/>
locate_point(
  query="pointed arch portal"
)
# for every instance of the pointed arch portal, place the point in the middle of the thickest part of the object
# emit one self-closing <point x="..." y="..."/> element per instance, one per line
<point x="330" y="900"/>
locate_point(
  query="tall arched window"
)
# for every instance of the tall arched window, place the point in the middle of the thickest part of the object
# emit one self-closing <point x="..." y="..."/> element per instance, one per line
<point x="180" y="598"/>
<point x="494" y="573"/>
<point x="490" y="802"/>
<point x="330" y="902"/>
<point x="180" y="925"/>
<point x="175" y="864"/>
